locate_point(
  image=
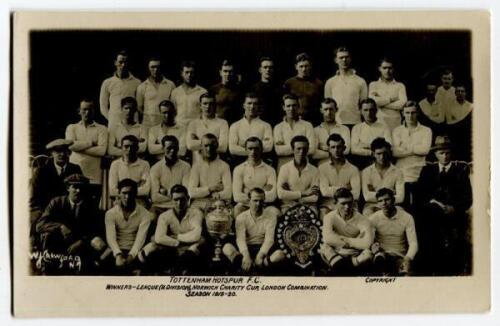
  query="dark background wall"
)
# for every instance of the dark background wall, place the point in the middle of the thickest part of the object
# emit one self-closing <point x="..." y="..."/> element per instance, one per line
<point x="66" y="65"/>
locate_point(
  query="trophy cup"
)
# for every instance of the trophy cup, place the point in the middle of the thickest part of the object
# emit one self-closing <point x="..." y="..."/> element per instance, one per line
<point x="218" y="221"/>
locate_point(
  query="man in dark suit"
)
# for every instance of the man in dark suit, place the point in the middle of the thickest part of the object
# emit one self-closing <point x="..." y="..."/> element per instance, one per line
<point x="445" y="196"/>
<point x="71" y="224"/>
<point x="47" y="181"/>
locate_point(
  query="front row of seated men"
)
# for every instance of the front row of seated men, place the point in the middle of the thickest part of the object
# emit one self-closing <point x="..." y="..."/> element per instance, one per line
<point x="179" y="240"/>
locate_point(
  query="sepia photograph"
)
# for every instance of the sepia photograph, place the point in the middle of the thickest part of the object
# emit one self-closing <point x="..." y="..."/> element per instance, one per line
<point x="239" y="158"/>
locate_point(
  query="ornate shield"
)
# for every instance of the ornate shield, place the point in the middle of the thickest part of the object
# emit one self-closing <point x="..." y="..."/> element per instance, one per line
<point x="299" y="234"/>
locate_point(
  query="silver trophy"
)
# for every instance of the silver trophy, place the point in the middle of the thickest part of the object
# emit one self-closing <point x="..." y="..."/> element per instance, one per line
<point x="219" y="220"/>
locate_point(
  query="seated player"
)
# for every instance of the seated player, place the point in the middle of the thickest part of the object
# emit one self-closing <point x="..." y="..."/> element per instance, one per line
<point x="130" y="166"/>
<point x="337" y="173"/>
<point x="168" y="126"/>
<point x="166" y="173"/>
<point x="210" y="177"/>
<point x="208" y="123"/>
<point x="47" y="181"/>
<point x="126" y="126"/>
<point x="381" y="174"/>
<point x="251" y="174"/>
<point x="347" y="236"/>
<point x="328" y="127"/>
<point x="71" y="224"/>
<point x="177" y="236"/>
<point x="395" y="244"/>
<point x="298" y="180"/>
<point x="127" y="225"/>
<point x="365" y="132"/>
<point x="249" y="126"/>
<point x="291" y="126"/>
<point x="254" y="237"/>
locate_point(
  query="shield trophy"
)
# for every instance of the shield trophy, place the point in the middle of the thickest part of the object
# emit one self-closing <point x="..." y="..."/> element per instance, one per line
<point x="219" y="220"/>
<point x="299" y="234"/>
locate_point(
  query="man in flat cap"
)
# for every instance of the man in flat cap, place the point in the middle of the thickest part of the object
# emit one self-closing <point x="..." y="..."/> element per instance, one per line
<point x="47" y="181"/>
<point x="71" y="224"/>
<point x="445" y="196"/>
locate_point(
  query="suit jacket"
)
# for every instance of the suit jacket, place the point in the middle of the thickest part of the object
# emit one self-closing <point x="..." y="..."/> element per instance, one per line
<point x="452" y="188"/>
<point x="85" y="221"/>
<point x="47" y="184"/>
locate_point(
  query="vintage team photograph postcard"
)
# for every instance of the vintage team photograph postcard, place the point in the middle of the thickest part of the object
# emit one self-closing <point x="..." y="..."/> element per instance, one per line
<point x="250" y="163"/>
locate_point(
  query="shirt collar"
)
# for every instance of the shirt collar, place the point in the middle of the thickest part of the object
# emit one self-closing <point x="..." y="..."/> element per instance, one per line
<point x="446" y="167"/>
<point x="416" y="128"/>
<point x="165" y="162"/>
<point x="137" y="162"/>
<point x="162" y="81"/>
<point x="130" y="76"/>
<point x="350" y="72"/>
<point x="120" y="210"/>
<point x="257" y="166"/>
<point x="59" y="169"/>
<point x="93" y="124"/>
<point x="393" y="81"/>
<point x="307" y="167"/>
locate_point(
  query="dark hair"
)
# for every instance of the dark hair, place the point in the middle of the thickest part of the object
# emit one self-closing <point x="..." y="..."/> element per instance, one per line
<point x="384" y="191"/>
<point x="170" y="138"/>
<point x="254" y="139"/>
<point x="446" y="72"/>
<point x="87" y="99"/>
<point x="297" y="139"/>
<point x="179" y="189"/>
<point x="128" y="100"/>
<point x="131" y="138"/>
<point x="251" y="95"/>
<point x="122" y="53"/>
<point x="336" y="138"/>
<point x="127" y="183"/>
<point x="302" y="57"/>
<point x="289" y="97"/>
<point x="342" y="193"/>
<point x="257" y="190"/>
<point x="378" y="143"/>
<point x="367" y="101"/>
<point x="385" y="59"/>
<point x="154" y="58"/>
<point x="262" y="59"/>
<point x="329" y="100"/>
<point x="211" y="136"/>
<point x="226" y="62"/>
<point x="207" y="95"/>
<point x="168" y="104"/>
<point x="188" y="64"/>
<point x="341" y="48"/>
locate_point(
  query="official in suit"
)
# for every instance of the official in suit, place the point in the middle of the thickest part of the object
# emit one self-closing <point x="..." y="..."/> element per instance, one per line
<point x="445" y="196"/>
<point x="47" y="181"/>
<point x="71" y="224"/>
